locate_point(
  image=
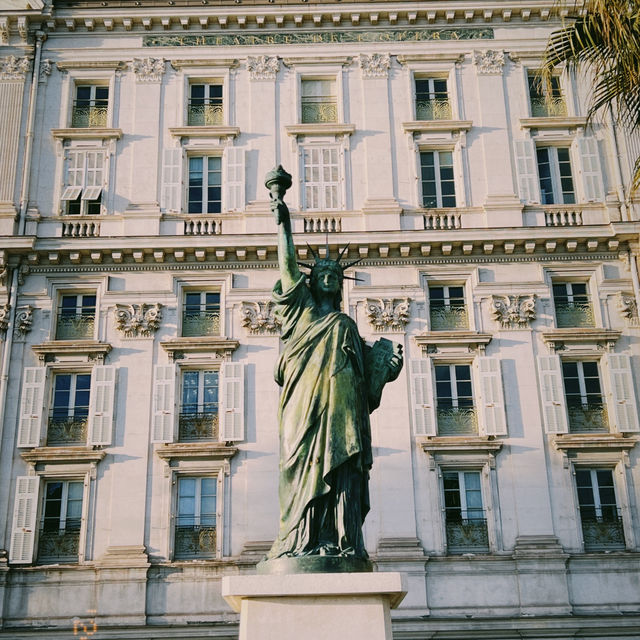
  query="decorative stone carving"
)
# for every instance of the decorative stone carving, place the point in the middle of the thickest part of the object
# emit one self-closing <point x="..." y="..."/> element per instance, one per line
<point x="12" y="68"/>
<point x="4" y="317"/>
<point x="138" y="320"/>
<point x="388" y="314"/>
<point x="23" y="28"/>
<point x="4" y="31"/>
<point x="514" y="312"/>
<point x="148" y="69"/>
<point x="488" y="62"/>
<point x="263" y="67"/>
<point x="46" y="66"/>
<point x="628" y="307"/>
<point x="258" y="318"/>
<point x="376" y="65"/>
<point x="24" y="320"/>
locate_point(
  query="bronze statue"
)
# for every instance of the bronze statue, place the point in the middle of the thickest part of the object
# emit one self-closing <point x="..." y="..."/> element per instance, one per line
<point x="331" y="381"/>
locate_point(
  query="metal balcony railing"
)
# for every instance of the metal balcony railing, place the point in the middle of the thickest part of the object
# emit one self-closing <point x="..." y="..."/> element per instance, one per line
<point x="75" y="326"/>
<point x="195" y="539"/>
<point x="445" y="318"/>
<point x="319" y="111"/>
<point x="84" y="115"/>
<point x="200" y="424"/>
<point x="588" y="418"/>
<point x="434" y="109"/>
<point x="457" y="421"/>
<point x="603" y="531"/>
<point x="68" y="430"/>
<point x="200" y="323"/>
<point x="59" y="545"/>
<point x="466" y="535"/>
<point x="548" y="107"/>
<point x="204" y="114"/>
<point x="574" y="314"/>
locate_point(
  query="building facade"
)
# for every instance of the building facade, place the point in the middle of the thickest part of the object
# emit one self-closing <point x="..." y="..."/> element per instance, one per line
<point x="499" y="244"/>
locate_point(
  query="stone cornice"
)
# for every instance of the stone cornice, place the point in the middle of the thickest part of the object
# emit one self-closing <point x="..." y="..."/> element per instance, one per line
<point x="66" y="65"/>
<point x="196" y="450"/>
<point x="92" y="349"/>
<point x="553" y="123"/>
<point x="576" y="441"/>
<point x="320" y="129"/>
<point x="469" y="444"/>
<point x="427" y="126"/>
<point x="63" y="454"/>
<point x="88" y="133"/>
<point x="469" y="339"/>
<point x="189" y="63"/>
<point x="557" y="338"/>
<point x="221" y="348"/>
<point x="213" y="131"/>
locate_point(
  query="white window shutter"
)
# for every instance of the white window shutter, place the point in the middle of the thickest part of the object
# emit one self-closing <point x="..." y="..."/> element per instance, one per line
<point x="164" y="392"/>
<point x="591" y="172"/>
<point x="424" y="410"/>
<point x="233" y="177"/>
<point x="102" y="405"/>
<point x="553" y="402"/>
<point x="527" y="170"/>
<point x="170" y="195"/>
<point x="25" y="511"/>
<point x="494" y="418"/>
<point x="625" y="405"/>
<point x="30" y="427"/>
<point x="232" y="402"/>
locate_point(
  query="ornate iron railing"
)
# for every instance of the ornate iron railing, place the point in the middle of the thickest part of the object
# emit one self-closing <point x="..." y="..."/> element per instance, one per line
<point x="326" y="111"/>
<point x="548" y="107"/>
<point x="59" y="545"/>
<point x="574" y="314"/>
<point x="78" y="325"/>
<point x="195" y="540"/>
<point x="467" y="535"/>
<point x="68" y="430"/>
<point x="200" y="323"/>
<point x="204" y="114"/>
<point x="201" y="425"/>
<point x="454" y="421"/>
<point x="588" y="418"/>
<point x="436" y="109"/>
<point x="444" y="318"/>
<point x="603" y="531"/>
<point x="89" y="116"/>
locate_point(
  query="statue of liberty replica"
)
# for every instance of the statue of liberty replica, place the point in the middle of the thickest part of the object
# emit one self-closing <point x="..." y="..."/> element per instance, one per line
<point x="331" y="381"/>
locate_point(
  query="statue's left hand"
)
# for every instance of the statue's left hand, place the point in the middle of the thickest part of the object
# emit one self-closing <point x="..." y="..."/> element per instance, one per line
<point x="395" y="362"/>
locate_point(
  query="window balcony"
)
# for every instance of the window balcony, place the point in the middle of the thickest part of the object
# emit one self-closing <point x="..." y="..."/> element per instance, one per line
<point x="59" y="545"/>
<point x="68" y="430"/>
<point x="457" y="421"/>
<point x="195" y="540"/>
<point x="449" y="318"/>
<point x="589" y="418"/>
<point x="75" y="326"/>
<point x="574" y="315"/>
<point x="84" y="116"/>
<point x="318" y="112"/>
<point x="433" y="109"/>
<point x="467" y="535"/>
<point x="542" y="107"/>
<point x="603" y="531"/>
<point x="200" y="323"/>
<point x="194" y="426"/>
<point x="200" y="115"/>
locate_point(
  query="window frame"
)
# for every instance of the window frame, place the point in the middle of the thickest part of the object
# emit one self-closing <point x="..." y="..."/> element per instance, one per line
<point x="201" y="369"/>
<point x="53" y="374"/>
<point x="335" y="76"/>
<point x="437" y="167"/>
<point x="556" y="177"/>
<point x="208" y="83"/>
<point x="78" y="292"/>
<point x="192" y="153"/>
<point x="211" y="75"/>
<point x="203" y="291"/>
<point x="431" y="78"/>
<point x="440" y="278"/>
<point x="571" y="280"/>
<point x="562" y="94"/>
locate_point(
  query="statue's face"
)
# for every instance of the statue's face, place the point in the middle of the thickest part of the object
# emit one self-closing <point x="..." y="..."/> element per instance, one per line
<point x="326" y="280"/>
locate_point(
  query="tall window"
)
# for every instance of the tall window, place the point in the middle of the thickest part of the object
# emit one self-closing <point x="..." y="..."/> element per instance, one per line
<point x="546" y="101"/>
<point x="554" y="171"/>
<point x="465" y="520"/>
<point x="199" y="409"/>
<point x="432" y="99"/>
<point x="438" y="186"/>
<point x="587" y="411"/>
<point x="59" y="535"/>
<point x="201" y="314"/>
<point x="205" y="184"/>
<point x="76" y="316"/>
<point x="447" y="308"/>
<point x="573" y="305"/>
<point x="90" y="106"/>
<point x="321" y="173"/>
<point x="599" y="513"/>
<point x="454" y="394"/>
<point x="205" y="104"/>
<point x="319" y="102"/>
<point x="84" y="181"/>
<point x="70" y="409"/>
<point x="195" y="532"/>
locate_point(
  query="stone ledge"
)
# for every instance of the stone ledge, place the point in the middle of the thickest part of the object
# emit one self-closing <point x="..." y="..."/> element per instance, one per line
<point x="471" y="339"/>
<point x="193" y="450"/>
<point x="320" y="129"/>
<point x="123" y="557"/>
<point x="579" y="335"/>
<point x="213" y="131"/>
<point x="222" y="347"/>
<point x="569" y="441"/>
<point x="427" y="126"/>
<point x="553" y="122"/>
<point x="87" y="133"/>
<point x="63" y="454"/>
<point x="469" y="444"/>
<point x="92" y="349"/>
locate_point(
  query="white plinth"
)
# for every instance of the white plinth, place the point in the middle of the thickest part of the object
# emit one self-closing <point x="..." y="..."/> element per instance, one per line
<point x="315" y="606"/>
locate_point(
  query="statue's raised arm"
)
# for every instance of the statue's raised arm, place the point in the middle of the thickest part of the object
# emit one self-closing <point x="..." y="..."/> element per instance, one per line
<point x="278" y="181"/>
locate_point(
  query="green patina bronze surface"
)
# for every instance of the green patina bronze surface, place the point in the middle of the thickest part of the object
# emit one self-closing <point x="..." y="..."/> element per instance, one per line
<point x="331" y="381"/>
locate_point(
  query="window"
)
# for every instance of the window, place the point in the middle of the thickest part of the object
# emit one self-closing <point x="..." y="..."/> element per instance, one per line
<point x="546" y="101"/>
<point x="199" y="407"/>
<point x="76" y="316"/>
<point x="69" y="414"/>
<point x="554" y="172"/>
<point x="196" y="530"/>
<point x="321" y="173"/>
<point x="456" y="413"/>
<point x="319" y="102"/>
<point x="59" y="535"/>
<point x="432" y="99"/>
<point x="599" y="513"/>
<point x="465" y="520"/>
<point x="572" y="305"/>
<point x="84" y="181"/>
<point x="587" y="411"/>
<point x="447" y="308"/>
<point x="201" y="314"/>
<point x="205" y="184"/>
<point x="438" y="186"/>
<point x="205" y="105"/>
<point x="90" y="106"/>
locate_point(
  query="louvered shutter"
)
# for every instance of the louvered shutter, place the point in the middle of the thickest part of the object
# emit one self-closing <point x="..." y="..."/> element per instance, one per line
<point x="527" y="171"/>
<point x="94" y="178"/>
<point x="102" y="404"/>
<point x="25" y="510"/>
<point x="494" y="418"/>
<point x="232" y="402"/>
<point x="552" y="388"/>
<point x="233" y="176"/>
<point x="164" y="391"/>
<point x="30" y="428"/>
<point x="170" y="195"/>
<point x="625" y="406"/>
<point x="591" y="172"/>
<point x="424" y="411"/>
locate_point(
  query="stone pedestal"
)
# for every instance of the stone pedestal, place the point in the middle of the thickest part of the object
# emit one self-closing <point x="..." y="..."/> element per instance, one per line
<point x="315" y="606"/>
